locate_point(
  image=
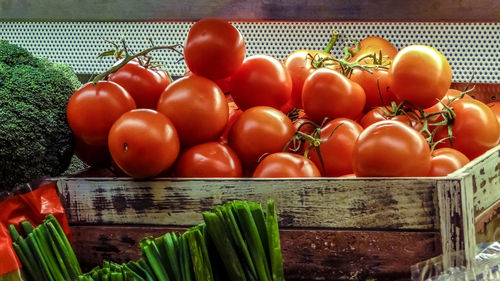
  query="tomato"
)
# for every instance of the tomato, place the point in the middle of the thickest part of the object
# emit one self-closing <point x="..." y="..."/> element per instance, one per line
<point x="383" y="113"/>
<point x="214" y="48"/>
<point x="375" y="85"/>
<point x="348" y="176"/>
<point x="374" y="45"/>
<point x="144" y="84"/>
<point x="411" y="120"/>
<point x="445" y="161"/>
<point x="258" y="131"/>
<point x="93" y="109"/>
<point x="390" y="149"/>
<point x="300" y="65"/>
<point x="286" y="165"/>
<point x="375" y="115"/>
<point x="475" y="128"/>
<point x="143" y="143"/>
<point x="197" y="107"/>
<point x="92" y="155"/>
<point x="327" y="93"/>
<point x="420" y="75"/>
<point x="495" y="107"/>
<point x="261" y="81"/>
<point x="450" y="94"/>
<point x="338" y="137"/>
<point x="222" y="83"/>
<point x="233" y="116"/>
<point x="208" y="160"/>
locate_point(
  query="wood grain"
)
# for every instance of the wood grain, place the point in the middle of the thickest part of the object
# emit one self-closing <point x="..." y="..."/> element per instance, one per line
<point x="485" y="171"/>
<point x="308" y="254"/>
<point x="295" y="10"/>
<point x="375" y="203"/>
<point x="457" y="221"/>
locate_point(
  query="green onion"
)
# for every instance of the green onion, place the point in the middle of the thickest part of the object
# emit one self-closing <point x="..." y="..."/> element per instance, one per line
<point x="152" y="256"/>
<point x="27" y="227"/>
<point x="276" y="257"/>
<point x="232" y="224"/>
<point x="217" y="231"/>
<point x="69" y="250"/>
<point x="185" y="259"/>
<point x="171" y="244"/>
<point x="251" y="234"/>
<point x="199" y="255"/>
<point x="147" y="268"/>
<point x="260" y="222"/>
<point x="37" y="254"/>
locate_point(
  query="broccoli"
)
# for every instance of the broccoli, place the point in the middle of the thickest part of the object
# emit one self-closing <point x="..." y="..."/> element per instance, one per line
<point x="35" y="138"/>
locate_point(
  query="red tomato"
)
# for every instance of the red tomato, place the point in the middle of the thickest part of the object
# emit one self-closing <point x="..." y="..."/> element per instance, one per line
<point x="348" y="176"/>
<point x="208" y="160"/>
<point x="420" y="75"/>
<point x="145" y="85"/>
<point x="300" y="65"/>
<point x="261" y="80"/>
<point x="197" y="107"/>
<point x="382" y="113"/>
<point x="475" y="128"/>
<point x="258" y="131"/>
<point x="375" y="85"/>
<point x="374" y="45"/>
<point x="233" y="116"/>
<point x="327" y="93"/>
<point x="375" y="115"/>
<point x="411" y="120"/>
<point x="451" y="93"/>
<point x="214" y="49"/>
<point x="222" y="83"/>
<point x="92" y="155"/>
<point x="303" y="124"/>
<point x="390" y="149"/>
<point x="143" y="143"/>
<point x="445" y="161"/>
<point x="495" y="107"/>
<point x="93" y="109"/>
<point x="286" y="165"/>
<point x="337" y="146"/>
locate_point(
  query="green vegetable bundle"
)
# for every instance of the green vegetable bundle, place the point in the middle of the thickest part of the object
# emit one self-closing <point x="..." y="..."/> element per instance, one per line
<point x="45" y="251"/>
<point x="238" y="241"/>
<point x="35" y="138"/>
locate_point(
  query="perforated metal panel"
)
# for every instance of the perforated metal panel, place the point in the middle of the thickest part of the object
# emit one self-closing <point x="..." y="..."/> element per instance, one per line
<point x="470" y="47"/>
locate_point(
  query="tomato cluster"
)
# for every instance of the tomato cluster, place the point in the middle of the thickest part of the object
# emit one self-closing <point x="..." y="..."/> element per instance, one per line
<point x="375" y="112"/>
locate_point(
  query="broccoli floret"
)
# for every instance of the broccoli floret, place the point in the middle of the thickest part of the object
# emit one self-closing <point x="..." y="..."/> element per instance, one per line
<point x="35" y="138"/>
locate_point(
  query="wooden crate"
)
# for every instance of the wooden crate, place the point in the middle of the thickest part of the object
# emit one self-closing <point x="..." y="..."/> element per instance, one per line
<point x="331" y="228"/>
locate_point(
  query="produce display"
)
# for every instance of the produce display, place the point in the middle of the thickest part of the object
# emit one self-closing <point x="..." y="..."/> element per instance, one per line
<point x="375" y="112"/>
<point x="237" y="241"/>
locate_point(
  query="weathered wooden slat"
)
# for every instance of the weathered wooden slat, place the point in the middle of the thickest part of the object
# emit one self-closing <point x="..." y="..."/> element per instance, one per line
<point x="308" y="254"/>
<point x="485" y="171"/>
<point x="326" y="203"/>
<point x="318" y="10"/>
<point x="457" y="221"/>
